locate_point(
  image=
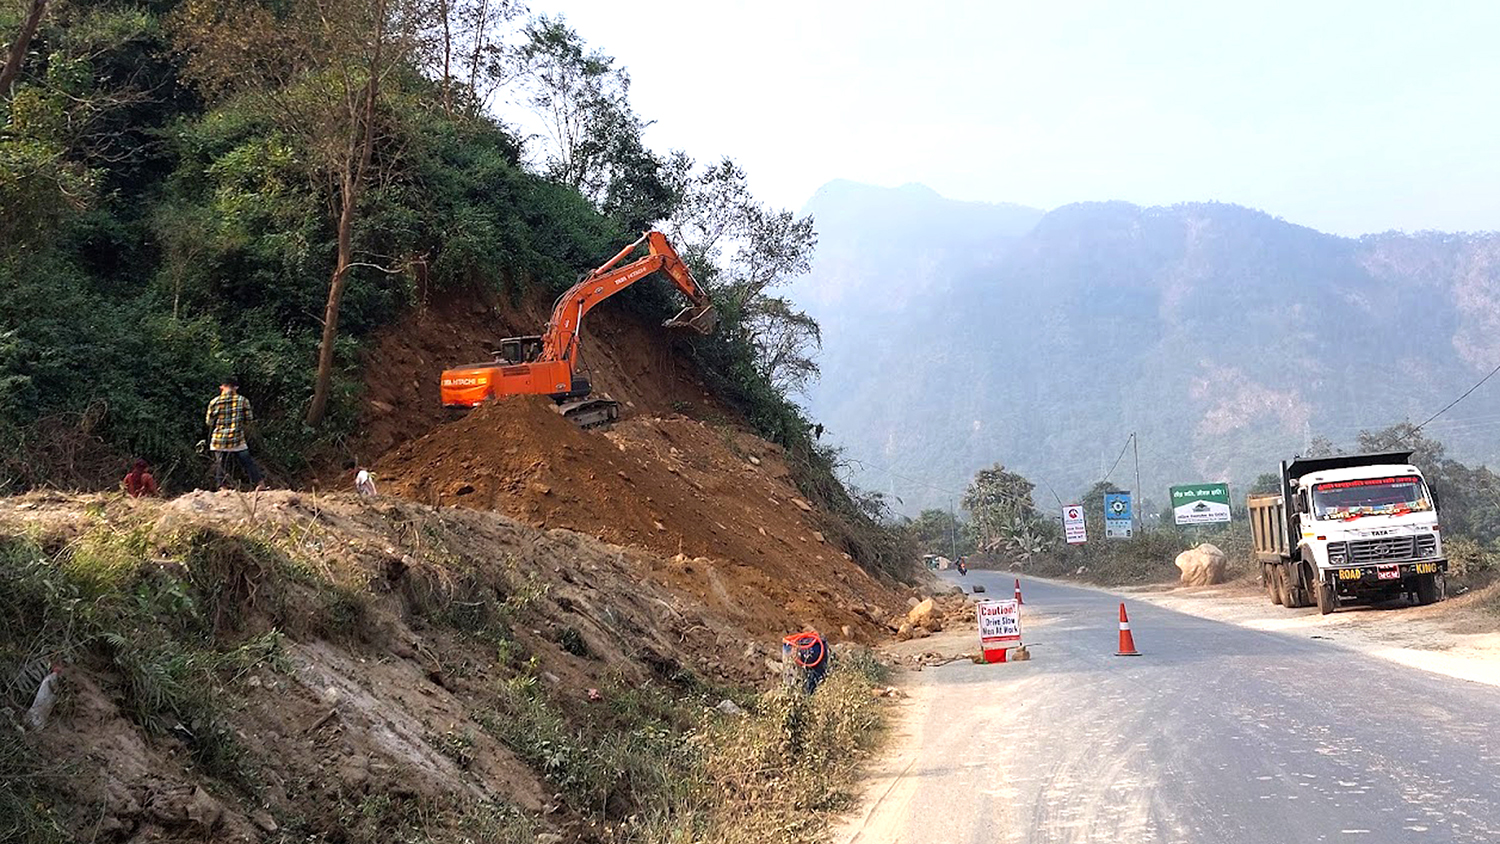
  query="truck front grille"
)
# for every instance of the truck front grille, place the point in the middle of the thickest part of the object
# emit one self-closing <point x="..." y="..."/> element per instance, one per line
<point x="1388" y="549"/>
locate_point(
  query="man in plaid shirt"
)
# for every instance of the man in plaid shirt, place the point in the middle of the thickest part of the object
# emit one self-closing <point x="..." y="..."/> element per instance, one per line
<point x="229" y="415"/>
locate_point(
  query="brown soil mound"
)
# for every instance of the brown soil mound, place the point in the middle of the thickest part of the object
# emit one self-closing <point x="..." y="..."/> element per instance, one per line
<point x="627" y="357"/>
<point x="720" y="500"/>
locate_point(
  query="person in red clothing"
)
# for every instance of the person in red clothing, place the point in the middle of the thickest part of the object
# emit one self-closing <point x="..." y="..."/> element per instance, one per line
<point x="138" y="482"/>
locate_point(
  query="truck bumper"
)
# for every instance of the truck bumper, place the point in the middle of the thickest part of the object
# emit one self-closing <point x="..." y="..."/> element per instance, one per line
<point x="1393" y="576"/>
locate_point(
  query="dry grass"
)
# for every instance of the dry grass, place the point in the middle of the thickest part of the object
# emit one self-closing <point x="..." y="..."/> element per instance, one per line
<point x="782" y="773"/>
<point x="176" y="615"/>
<point x="665" y="768"/>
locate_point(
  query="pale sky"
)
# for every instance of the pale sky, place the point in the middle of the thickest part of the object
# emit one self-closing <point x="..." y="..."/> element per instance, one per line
<point x="1348" y="117"/>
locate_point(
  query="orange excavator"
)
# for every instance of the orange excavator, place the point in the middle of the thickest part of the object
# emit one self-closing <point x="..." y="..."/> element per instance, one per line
<point x="548" y="364"/>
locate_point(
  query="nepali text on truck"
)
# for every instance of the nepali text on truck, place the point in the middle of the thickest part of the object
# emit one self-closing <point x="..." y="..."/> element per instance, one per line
<point x="1352" y="528"/>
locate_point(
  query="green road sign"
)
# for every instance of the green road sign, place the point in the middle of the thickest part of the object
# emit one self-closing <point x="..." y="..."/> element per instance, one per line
<point x="1197" y="504"/>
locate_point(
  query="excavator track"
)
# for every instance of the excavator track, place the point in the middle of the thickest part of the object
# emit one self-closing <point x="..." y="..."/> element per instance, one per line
<point x="592" y="412"/>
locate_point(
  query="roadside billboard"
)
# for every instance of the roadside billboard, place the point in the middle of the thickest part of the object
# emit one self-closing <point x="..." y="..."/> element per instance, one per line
<point x="1199" y="504"/>
<point x="1119" y="518"/>
<point x="1074" y="530"/>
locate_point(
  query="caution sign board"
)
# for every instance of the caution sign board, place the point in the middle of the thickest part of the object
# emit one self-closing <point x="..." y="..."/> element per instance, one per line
<point x="1119" y="520"/>
<point x="1198" y="504"/>
<point x="1074" y="530"/>
<point x="999" y="623"/>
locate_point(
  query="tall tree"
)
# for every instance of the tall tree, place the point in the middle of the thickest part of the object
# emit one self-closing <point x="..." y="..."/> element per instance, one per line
<point x="1266" y="483"/>
<point x="999" y="502"/>
<point x="16" y="50"/>
<point x="469" y="54"/>
<point x="69" y="112"/>
<point x="936" y="532"/>
<point x="742" y="250"/>
<point x="591" y="136"/>
<point x="321" y="66"/>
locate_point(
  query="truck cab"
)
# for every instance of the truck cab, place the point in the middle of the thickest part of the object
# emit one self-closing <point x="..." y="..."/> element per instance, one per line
<point x="1349" y="528"/>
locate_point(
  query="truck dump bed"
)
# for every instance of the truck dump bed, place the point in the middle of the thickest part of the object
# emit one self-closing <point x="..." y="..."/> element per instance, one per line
<point x="1268" y="527"/>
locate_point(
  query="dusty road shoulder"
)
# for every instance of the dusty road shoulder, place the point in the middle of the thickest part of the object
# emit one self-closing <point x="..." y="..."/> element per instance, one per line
<point x="1453" y="638"/>
<point x="886" y="787"/>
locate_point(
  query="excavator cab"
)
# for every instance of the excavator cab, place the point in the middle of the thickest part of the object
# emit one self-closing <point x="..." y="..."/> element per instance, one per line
<point x="515" y="350"/>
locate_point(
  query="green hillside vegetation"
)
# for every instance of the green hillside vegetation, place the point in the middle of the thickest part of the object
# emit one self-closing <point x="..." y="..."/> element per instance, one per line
<point x="200" y="189"/>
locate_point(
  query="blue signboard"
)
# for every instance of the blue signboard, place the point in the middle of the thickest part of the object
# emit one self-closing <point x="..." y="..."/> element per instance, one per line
<point x="1119" y="521"/>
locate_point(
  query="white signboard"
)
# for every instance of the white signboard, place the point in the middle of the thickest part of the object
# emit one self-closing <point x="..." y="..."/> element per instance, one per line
<point x="1197" y="504"/>
<point x="999" y="622"/>
<point x="1073" y="527"/>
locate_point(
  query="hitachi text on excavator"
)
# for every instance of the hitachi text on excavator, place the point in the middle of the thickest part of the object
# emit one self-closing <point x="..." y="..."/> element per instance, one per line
<point x="548" y="364"/>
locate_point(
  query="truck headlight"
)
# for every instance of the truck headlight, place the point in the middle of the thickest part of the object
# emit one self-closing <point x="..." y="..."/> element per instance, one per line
<point x="1338" y="552"/>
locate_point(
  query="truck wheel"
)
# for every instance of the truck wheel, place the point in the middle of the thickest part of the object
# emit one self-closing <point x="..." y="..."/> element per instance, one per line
<point x="1328" y="600"/>
<point x="1304" y="587"/>
<point x="1427" y="589"/>
<point x="1268" y="574"/>
<point x="1283" y="592"/>
<point x="1292" y="593"/>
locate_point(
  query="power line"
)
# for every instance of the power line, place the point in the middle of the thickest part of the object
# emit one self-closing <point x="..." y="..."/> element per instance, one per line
<point x="1121" y="457"/>
<point x="1450" y="404"/>
<point x="900" y="477"/>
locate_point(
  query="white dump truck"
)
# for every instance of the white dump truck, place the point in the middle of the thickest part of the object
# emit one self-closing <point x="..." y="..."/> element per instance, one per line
<point x="1349" y="528"/>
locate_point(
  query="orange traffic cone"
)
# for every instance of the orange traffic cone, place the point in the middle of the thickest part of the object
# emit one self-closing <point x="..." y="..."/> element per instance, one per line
<point x="1018" y="591"/>
<point x="1127" y="641"/>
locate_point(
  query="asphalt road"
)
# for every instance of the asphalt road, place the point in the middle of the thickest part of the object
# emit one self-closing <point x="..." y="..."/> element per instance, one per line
<point x="1217" y="734"/>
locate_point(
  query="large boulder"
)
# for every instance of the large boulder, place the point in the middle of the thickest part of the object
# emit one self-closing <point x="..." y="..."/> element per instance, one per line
<point x="1202" y="566"/>
<point x="921" y="612"/>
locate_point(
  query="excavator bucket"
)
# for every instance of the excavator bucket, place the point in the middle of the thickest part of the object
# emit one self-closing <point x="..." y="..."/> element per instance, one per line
<point x="702" y="319"/>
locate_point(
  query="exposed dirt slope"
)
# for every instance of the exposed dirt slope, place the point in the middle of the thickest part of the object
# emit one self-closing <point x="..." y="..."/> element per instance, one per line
<point x="628" y="358"/>
<point x="673" y="485"/>
<point x="379" y="704"/>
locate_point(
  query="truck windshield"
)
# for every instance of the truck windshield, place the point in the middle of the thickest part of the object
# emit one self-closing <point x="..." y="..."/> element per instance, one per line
<point x="1370" y="497"/>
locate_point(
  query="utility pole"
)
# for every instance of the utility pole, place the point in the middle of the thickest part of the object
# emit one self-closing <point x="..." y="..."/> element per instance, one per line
<point x="953" y="530"/>
<point x="1060" y="505"/>
<point x="1135" y="506"/>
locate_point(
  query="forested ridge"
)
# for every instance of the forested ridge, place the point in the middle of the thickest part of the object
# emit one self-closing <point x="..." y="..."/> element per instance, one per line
<point x="1224" y="338"/>
<point x="195" y="190"/>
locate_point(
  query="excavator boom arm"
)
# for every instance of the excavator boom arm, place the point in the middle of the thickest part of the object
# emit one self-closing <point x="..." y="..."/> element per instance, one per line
<point x="553" y="371"/>
<point x="561" y="340"/>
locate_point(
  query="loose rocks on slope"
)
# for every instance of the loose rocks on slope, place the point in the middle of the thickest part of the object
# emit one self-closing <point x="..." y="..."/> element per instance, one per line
<point x="673" y="485"/>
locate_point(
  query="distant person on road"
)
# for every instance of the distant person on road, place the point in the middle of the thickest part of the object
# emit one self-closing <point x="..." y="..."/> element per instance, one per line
<point x="364" y="482"/>
<point x="229" y="417"/>
<point x="138" y="482"/>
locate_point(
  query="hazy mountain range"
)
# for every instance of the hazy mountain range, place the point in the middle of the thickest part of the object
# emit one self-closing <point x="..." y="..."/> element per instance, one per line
<point x="960" y="334"/>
